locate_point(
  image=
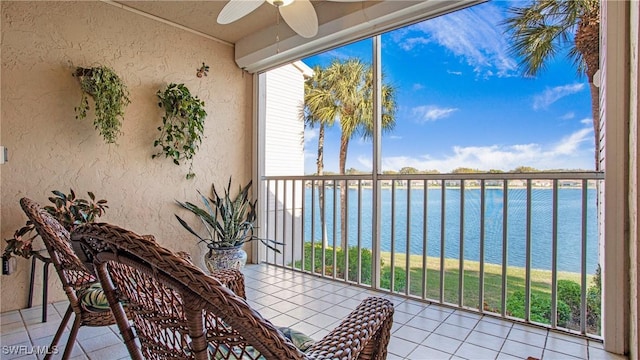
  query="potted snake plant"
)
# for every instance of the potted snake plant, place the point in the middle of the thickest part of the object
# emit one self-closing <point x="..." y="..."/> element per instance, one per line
<point x="229" y="223"/>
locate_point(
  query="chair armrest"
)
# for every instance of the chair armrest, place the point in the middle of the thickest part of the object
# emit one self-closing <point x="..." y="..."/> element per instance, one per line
<point x="233" y="279"/>
<point x="366" y="331"/>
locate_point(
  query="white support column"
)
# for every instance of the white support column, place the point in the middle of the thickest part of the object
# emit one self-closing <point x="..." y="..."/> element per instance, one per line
<point x="615" y="111"/>
<point x="634" y="180"/>
<point x="258" y="162"/>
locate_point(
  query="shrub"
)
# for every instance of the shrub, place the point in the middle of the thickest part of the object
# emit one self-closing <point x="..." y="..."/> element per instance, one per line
<point x="400" y="279"/>
<point x="365" y="267"/>
<point x="594" y="300"/>
<point x="340" y="257"/>
<point x="569" y="292"/>
<point x="540" y="308"/>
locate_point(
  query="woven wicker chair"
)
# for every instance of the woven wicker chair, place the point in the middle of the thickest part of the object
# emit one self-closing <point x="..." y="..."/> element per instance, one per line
<point x="75" y="277"/>
<point x="179" y="312"/>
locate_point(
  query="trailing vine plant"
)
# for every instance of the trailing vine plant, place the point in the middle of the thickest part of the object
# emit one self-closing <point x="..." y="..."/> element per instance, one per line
<point x="182" y="125"/>
<point x="110" y="96"/>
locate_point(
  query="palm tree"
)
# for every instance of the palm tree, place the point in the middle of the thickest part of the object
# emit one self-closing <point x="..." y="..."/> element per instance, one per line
<point x="344" y="92"/>
<point x="352" y="87"/>
<point x="541" y="29"/>
<point x="318" y="111"/>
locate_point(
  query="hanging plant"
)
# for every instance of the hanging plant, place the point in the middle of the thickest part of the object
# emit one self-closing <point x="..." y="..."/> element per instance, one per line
<point x="182" y="125"/>
<point x="110" y="96"/>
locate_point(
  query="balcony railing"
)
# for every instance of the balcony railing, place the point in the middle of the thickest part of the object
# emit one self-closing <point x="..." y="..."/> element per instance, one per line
<point x="517" y="246"/>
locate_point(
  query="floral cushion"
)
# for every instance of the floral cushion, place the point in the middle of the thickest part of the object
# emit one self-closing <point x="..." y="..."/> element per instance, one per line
<point x="93" y="298"/>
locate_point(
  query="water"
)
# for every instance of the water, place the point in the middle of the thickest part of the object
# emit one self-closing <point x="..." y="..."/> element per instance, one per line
<point x="569" y="224"/>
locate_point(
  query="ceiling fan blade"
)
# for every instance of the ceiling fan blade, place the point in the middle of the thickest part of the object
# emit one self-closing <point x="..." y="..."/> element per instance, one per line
<point x="301" y="17"/>
<point x="235" y="9"/>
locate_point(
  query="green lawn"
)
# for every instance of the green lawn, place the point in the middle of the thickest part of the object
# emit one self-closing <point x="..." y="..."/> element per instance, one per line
<point x="540" y="280"/>
<point x="568" y="294"/>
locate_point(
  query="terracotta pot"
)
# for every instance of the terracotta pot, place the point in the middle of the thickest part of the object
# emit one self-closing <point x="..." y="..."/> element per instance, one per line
<point x="229" y="258"/>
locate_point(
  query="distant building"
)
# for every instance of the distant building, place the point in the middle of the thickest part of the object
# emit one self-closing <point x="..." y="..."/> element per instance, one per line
<point x="284" y="129"/>
<point x="284" y="151"/>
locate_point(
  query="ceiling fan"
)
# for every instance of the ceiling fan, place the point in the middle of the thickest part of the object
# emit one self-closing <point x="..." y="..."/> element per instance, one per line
<point x="298" y="14"/>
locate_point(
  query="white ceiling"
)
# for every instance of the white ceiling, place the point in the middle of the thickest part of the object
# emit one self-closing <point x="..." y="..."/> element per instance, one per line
<point x="254" y="36"/>
<point x="201" y="15"/>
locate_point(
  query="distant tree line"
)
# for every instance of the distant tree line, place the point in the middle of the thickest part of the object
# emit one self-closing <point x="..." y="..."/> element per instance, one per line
<point x="461" y="170"/>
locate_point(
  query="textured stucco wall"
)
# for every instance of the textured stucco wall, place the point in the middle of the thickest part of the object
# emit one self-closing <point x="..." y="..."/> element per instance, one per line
<point x="49" y="149"/>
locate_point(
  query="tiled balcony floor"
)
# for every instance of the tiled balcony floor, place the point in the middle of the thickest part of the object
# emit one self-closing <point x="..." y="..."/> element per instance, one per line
<point x="314" y="306"/>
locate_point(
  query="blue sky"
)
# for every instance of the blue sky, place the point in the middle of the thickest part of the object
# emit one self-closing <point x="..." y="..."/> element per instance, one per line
<point x="464" y="102"/>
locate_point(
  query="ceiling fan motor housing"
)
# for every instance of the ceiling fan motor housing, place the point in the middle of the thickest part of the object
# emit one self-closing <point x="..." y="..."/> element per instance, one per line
<point x="279" y="3"/>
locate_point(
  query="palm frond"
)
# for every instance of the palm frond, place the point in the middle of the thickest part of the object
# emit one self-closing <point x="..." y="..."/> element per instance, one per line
<point x="539" y="30"/>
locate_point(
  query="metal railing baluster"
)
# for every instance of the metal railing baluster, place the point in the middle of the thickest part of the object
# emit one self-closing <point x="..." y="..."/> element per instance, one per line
<point x="443" y="196"/>
<point x="268" y="206"/>
<point x="393" y="237"/>
<point x="583" y="258"/>
<point x="313" y="226"/>
<point x="554" y="257"/>
<point x="293" y="223"/>
<point x="284" y="218"/>
<point x="425" y="206"/>
<point x="527" y="272"/>
<point x="303" y="221"/>
<point x="359" y="279"/>
<point x="346" y="232"/>
<point x="275" y="217"/>
<point x="505" y="222"/>
<point x="481" y="254"/>
<point x="461" y="245"/>
<point x="334" y="232"/>
<point x="408" y="246"/>
<point x="323" y="204"/>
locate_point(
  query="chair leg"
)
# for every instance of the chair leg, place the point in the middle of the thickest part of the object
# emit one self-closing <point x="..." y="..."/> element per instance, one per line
<point x="56" y="338"/>
<point x="72" y="338"/>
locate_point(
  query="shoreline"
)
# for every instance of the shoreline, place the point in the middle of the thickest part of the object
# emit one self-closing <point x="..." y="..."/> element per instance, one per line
<point x="433" y="263"/>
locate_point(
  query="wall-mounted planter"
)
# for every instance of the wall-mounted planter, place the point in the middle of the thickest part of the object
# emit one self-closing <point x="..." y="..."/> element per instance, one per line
<point x="182" y="125"/>
<point x="110" y="97"/>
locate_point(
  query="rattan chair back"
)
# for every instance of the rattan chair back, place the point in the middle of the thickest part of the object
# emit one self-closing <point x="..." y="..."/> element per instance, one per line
<point x="180" y="312"/>
<point x="56" y="239"/>
<point x="177" y="310"/>
<point x="73" y="274"/>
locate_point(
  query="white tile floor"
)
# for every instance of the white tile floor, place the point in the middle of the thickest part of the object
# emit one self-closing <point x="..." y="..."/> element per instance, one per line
<point x="314" y="306"/>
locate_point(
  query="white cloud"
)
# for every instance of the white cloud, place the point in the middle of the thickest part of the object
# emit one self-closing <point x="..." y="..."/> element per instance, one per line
<point x="409" y="43"/>
<point x="571" y="143"/>
<point x="394" y="137"/>
<point x="571" y="152"/>
<point x="310" y="134"/>
<point x="568" y="116"/>
<point x="365" y="163"/>
<point x="587" y="121"/>
<point x="473" y="34"/>
<point x="310" y="155"/>
<point x="417" y="87"/>
<point x="454" y="72"/>
<point x="431" y="113"/>
<point x="549" y="96"/>
<point x="335" y="54"/>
